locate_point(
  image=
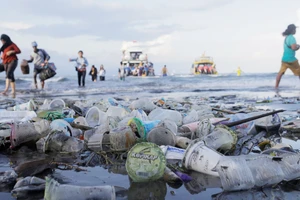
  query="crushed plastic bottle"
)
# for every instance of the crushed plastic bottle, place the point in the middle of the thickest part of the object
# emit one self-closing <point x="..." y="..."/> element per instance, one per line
<point x="163" y="114"/>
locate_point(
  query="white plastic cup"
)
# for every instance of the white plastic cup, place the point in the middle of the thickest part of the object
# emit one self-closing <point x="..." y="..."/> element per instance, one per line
<point x="95" y="117"/>
<point x="56" y="104"/>
<point x="200" y="158"/>
<point x="29" y="106"/>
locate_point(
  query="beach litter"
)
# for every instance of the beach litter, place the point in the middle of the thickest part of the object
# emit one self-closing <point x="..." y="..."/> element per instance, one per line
<point x="224" y="145"/>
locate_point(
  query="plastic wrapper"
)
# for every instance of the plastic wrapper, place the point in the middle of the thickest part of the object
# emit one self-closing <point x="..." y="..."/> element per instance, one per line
<point x="202" y="109"/>
<point x="114" y="111"/>
<point x="140" y="114"/>
<point x="204" y="128"/>
<point x="173" y="153"/>
<point x="144" y="104"/>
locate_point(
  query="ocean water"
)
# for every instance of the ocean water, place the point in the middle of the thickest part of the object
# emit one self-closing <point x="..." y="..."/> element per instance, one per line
<point x="249" y="85"/>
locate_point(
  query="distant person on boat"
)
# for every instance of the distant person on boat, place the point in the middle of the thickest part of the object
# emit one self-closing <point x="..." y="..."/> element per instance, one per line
<point x="214" y="71"/>
<point x="40" y="59"/>
<point x="10" y="61"/>
<point x="102" y="73"/>
<point x="289" y="60"/>
<point x="135" y="71"/>
<point x="164" y="71"/>
<point x="141" y="69"/>
<point x="146" y="69"/>
<point x="93" y="73"/>
<point x="80" y="67"/>
<point x="122" y="71"/>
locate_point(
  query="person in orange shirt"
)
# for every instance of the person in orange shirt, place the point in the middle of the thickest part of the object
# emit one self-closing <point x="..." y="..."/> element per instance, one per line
<point x="10" y="60"/>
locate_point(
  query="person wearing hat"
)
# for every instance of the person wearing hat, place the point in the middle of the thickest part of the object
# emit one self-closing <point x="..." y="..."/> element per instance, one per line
<point x="40" y="58"/>
<point x="289" y="60"/>
<point x="10" y="61"/>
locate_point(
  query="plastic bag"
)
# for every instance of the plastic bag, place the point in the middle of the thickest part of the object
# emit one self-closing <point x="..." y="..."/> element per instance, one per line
<point x="47" y="73"/>
<point x="245" y="128"/>
<point x="144" y="104"/>
<point x="246" y="172"/>
<point x="140" y="114"/>
<point x="114" y="111"/>
<point x="204" y="128"/>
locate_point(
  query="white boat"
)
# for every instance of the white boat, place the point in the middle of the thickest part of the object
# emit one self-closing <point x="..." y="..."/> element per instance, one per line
<point x="135" y="60"/>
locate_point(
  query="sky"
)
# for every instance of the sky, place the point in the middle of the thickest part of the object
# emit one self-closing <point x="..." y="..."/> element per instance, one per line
<point x="245" y="33"/>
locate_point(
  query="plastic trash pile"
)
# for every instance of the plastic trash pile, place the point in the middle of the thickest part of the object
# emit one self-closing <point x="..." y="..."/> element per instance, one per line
<point x="233" y="145"/>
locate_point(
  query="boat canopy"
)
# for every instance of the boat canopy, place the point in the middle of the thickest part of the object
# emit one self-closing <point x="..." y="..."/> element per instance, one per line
<point x="204" y="60"/>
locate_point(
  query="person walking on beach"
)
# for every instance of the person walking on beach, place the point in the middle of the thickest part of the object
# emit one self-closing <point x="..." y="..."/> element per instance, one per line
<point x="122" y="71"/>
<point x="93" y="73"/>
<point x="40" y="58"/>
<point x="80" y="67"/>
<point x="164" y="71"/>
<point x="289" y="60"/>
<point x="10" y="60"/>
<point x="239" y="71"/>
<point x="102" y="73"/>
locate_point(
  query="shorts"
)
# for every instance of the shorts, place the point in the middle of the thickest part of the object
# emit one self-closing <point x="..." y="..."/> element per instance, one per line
<point x="293" y="66"/>
<point x="38" y="70"/>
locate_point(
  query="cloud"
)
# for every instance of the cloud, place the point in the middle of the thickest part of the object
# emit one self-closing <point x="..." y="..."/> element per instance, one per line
<point x="157" y="42"/>
<point x="16" y="26"/>
<point x="173" y="33"/>
<point x="104" y="31"/>
<point x="107" y="20"/>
